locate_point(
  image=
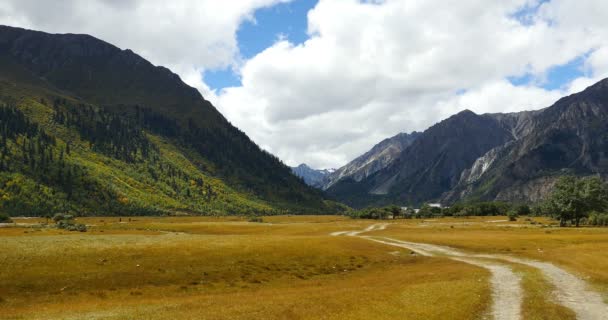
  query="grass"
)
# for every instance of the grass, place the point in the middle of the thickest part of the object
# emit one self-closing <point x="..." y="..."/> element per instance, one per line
<point x="537" y="302"/>
<point x="583" y="251"/>
<point x="215" y="268"/>
<point x="285" y="267"/>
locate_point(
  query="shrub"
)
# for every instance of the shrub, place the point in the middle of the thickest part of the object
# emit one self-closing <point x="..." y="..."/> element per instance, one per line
<point x="512" y="214"/>
<point x="66" y="222"/>
<point x="598" y="219"/>
<point x="461" y="214"/>
<point x="523" y="210"/>
<point x="76" y="227"/>
<point x="255" y="219"/>
<point x="58" y="217"/>
<point x="4" y="218"/>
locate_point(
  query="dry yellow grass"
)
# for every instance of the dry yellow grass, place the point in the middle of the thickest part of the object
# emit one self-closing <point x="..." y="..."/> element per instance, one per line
<point x="285" y="268"/>
<point x="537" y="301"/>
<point x="210" y="268"/>
<point x="583" y="251"/>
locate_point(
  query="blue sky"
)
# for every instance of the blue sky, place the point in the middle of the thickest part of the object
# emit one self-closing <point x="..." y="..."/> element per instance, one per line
<point x="288" y="20"/>
<point x="556" y="77"/>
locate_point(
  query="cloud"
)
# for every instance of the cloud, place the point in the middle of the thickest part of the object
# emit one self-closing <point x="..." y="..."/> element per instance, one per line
<point x="188" y="36"/>
<point x="371" y="69"/>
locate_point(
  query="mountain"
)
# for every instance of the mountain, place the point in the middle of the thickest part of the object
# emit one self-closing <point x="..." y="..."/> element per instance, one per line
<point x="570" y="137"/>
<point x="431" y="165"/>
<point x="377" y="158"/>
<point x="312" y="177"/>
<point x="509" y="157"/>
<point x="93" y="129"/>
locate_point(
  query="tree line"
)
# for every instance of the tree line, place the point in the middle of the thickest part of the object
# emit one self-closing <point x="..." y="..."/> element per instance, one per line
<point x="574" y="201"/>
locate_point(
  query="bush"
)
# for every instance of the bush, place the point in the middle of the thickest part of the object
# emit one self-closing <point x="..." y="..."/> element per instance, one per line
<point x="255" y="219"/>
<point x="4" y="218"/>
<point x="61" y="216"/>
<point x="523" y="210"/>
<point x="76" y="227"/>
<point x="374" y="213"/>
<point x="461" y="214"/>
<point x="66" y="222"/>
<point x="512" y="214"/>
<point x="598" y="219"/>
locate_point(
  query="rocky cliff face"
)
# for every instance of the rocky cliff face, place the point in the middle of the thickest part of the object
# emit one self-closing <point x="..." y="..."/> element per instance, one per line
<point x="518" y="123"/>
<point x="433" y="163"/>
<point x="376" y="159"/>
<point x="570" y="137"/>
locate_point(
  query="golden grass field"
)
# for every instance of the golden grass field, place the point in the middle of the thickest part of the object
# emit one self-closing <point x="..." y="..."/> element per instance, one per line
<point x="288" y="267"/>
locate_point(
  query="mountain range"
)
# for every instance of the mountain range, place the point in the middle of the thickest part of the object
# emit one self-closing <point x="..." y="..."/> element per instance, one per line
<point x="93" y="129"/>
<point x="376" y="159"/>
<point x="469" y="157"/>
<point x="312" y="177"/>
<point x="88" y="128"/>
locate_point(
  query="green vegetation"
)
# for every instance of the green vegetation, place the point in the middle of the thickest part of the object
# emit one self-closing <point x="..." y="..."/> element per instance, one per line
<point x="376" y="213"/>
<point x="70" y="157"/>
<point x="457" y="210"/>
<point x="478" y="209"/>
<point x="66" y="221"/>
<point x="255" y="219"/>
<point x="598" y="219"/>
<point x="574" y="198"/>
<point x="130" y="141"/>
<point x="5" y="218"/>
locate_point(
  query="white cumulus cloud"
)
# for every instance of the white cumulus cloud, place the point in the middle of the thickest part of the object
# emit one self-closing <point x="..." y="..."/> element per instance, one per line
<point x="371" y="69"/>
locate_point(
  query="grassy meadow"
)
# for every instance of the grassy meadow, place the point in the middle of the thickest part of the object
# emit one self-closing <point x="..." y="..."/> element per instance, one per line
<point x="288" y="267"/>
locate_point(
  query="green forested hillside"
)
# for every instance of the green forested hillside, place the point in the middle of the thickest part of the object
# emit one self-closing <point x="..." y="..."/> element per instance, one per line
<point x="103" y="132"/>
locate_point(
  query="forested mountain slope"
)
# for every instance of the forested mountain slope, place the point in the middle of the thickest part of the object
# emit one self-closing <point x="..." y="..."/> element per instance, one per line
<point x="90" y="128"/>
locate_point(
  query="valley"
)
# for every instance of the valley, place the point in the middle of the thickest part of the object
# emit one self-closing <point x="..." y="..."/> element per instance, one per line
<point x="126" y="194"/>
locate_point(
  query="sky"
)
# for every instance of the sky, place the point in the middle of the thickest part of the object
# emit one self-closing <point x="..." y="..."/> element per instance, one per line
<point x="321" y="81"/>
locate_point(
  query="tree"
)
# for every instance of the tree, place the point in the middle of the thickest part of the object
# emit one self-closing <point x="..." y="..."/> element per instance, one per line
<point x="4" y="218"/>
<point x="512" y="214"/>
<point x="425" y="211"/>
<point x="395" y="210"/>
<point x="573" y="198"/>
<point x="523" y="210"/>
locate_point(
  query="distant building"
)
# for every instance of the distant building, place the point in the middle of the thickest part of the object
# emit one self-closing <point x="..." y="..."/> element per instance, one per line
<point x="435" y="205"/>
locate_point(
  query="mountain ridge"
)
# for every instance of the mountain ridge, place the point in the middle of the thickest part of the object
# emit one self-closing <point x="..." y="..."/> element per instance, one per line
<point x="311" y="177"/>
<point x="377" y="158"/>
<point x="470" y="157"/>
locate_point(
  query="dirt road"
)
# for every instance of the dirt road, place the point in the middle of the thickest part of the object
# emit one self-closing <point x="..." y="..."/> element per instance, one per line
<point x="570" y="291"/>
